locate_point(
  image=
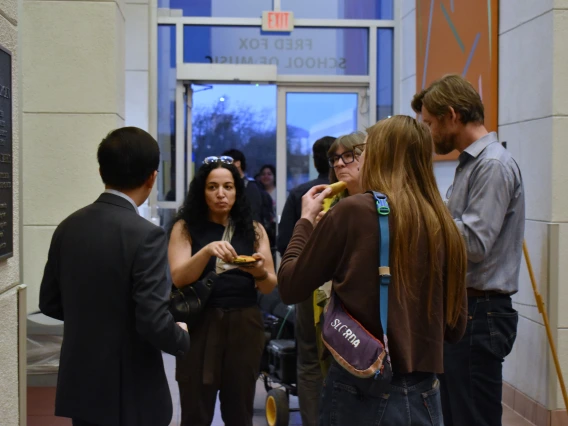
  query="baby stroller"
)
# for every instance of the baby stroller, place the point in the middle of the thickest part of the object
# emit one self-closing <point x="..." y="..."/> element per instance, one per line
<point x="278" y="364"/>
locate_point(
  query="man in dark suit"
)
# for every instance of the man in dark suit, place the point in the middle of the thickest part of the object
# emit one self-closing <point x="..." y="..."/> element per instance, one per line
<point x="310" y="378"/>
<point x="105" y="277"/>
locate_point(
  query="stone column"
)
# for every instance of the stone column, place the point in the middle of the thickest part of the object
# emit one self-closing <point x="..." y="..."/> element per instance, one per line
<point x="533" y="111"/>
<point x="73" y="95"/>
<point x="10" y="328"/>
<point x="137" y="62"/>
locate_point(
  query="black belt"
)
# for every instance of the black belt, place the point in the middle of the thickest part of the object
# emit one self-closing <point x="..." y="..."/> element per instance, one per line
<point x="472" y="292"/>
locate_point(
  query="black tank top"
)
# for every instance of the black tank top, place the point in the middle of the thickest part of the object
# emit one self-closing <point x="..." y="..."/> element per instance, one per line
<point x="234" y="288"/>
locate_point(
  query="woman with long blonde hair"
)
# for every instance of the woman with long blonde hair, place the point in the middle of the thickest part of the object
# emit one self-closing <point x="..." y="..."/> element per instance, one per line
<point x="427" y="301"/>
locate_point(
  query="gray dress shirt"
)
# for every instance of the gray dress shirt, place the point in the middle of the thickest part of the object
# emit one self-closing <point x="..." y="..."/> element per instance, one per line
<point x="487" y="202"/>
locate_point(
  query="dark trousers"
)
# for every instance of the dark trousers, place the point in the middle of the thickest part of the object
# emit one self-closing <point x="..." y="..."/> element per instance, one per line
<point x="224" y="357"/>
<point x="472" y="382"/>
<point x="411" y="399"/>
<point x="82" y="423"/>
<point x="310" y="379"/>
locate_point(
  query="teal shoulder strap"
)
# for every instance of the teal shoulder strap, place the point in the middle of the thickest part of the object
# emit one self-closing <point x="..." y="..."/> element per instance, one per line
<point x="383" y="210"/>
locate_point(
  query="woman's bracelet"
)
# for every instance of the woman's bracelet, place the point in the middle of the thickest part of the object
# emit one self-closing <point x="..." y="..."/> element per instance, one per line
<point x="263" y="277"/>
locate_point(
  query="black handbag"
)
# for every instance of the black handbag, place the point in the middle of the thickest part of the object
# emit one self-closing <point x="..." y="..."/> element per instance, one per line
<point x="187" y="303"/>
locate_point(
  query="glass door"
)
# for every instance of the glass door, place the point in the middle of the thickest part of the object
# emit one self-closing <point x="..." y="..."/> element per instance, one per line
<point x="306" y="114"/>
<point x="271" y="125"/>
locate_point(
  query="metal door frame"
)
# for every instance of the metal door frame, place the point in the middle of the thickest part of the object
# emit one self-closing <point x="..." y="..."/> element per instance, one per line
<point x="288" y="83"/>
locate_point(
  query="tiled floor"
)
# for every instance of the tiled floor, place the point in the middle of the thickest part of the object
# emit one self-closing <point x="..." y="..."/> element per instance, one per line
<point x="41" y="406"/>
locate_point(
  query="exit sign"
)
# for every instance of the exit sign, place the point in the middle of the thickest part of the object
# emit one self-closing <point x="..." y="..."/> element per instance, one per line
<point x="277" y="21"/>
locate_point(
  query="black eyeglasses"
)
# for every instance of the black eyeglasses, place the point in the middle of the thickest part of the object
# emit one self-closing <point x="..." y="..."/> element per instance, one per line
<point x="348" y="157"/>
<point x="223" y="159"/>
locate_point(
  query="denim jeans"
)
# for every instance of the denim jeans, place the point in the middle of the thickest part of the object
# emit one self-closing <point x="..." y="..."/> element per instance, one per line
<point x="472" y="383"/>
<point x="412" y="399"/>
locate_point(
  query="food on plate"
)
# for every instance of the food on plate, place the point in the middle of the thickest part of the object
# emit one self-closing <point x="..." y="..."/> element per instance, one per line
<point x="244" y="259"/>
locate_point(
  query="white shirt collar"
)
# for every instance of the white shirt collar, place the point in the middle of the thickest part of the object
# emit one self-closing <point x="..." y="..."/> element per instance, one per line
<point x="123" y="195"/>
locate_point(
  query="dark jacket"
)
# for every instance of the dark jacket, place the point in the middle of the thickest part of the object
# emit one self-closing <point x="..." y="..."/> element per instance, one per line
<point x="254" y="197"/>
<point x="293" y="211"/>
<point x="105" y="277"/>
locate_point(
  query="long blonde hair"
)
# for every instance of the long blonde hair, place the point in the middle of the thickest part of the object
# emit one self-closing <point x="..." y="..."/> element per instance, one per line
<point x="398" y="163"/>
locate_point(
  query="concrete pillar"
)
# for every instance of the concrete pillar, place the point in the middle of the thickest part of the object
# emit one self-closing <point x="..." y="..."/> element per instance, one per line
<point x="12" y="401"/>
<point x="533" y="111"/>
<point x="73" y="95"/>
<point x="137" y="14"/>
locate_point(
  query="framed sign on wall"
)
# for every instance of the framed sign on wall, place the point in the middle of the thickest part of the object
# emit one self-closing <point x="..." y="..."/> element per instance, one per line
<point x="6" y="169"/>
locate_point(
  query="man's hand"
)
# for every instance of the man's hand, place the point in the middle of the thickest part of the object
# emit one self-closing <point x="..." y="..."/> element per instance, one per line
<point x="182" y="325"/>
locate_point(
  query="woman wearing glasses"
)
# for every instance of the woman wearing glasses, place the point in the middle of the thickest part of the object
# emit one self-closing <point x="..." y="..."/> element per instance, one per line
<point x="343" y="158"/>
<point x="213" y="226"/>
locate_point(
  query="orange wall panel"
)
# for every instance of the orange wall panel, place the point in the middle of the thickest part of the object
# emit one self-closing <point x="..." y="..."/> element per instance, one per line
<point x="459" y="37"/>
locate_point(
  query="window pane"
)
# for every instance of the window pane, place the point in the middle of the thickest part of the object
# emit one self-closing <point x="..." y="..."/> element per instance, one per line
<point x="239" y="116"/>
<point x="384" y="73"/>
<point x="309" y="117"/>
<point x="166" y="112"/>
<point x="308" y="51"/>
<point x="219" y="8"/>
<point x="340" y="9"/>
<point x="319" y="9"/>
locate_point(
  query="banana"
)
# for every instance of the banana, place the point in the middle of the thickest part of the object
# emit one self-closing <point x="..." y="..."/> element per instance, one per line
<point x="336" y="188"/>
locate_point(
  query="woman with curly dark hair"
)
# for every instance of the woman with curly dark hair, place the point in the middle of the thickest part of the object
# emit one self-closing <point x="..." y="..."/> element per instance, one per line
<point x="213" y="227"/>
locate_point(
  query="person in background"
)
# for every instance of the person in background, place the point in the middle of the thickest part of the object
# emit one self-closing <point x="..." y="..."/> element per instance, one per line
<point x="211" y="229"/>
<point x="252" y="191"/>
<point x="309" y="375"/>
<point x="267" y="177"/>
<point x="344" y="162"/>
<point x="487" y="202"/>
<point x="105" y="277"/>
<point x="427" y="301"/>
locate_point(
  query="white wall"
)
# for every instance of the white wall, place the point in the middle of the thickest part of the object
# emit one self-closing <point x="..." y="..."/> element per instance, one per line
<point x="10" y="268"/>
<point x="137" y="62"/>
<point x="73" y="95"/>
<point x="533" y="110"/>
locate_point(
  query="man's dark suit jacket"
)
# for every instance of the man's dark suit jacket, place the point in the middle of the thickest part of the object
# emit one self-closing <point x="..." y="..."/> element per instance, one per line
<point x="105" y="277"/>
<point x="293" y="211"/>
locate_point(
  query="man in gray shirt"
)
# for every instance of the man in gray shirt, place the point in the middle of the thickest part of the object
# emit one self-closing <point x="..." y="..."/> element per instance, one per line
<point x="487" y="203"/>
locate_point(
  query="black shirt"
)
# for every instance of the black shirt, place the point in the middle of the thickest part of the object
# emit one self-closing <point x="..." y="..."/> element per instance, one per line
<point x="254" y="197"/>
<point x="293" y="211"/>
<point x="234" y="288"/>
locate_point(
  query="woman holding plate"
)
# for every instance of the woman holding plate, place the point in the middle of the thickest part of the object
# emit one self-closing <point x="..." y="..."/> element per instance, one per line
<point x="213" y="229"/>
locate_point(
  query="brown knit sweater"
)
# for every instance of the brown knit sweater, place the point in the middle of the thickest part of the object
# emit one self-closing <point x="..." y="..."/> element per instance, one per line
<point x="344" y="248"/>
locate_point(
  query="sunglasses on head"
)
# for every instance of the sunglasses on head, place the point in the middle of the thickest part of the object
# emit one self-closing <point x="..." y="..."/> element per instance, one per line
<point x="223" y="159"/>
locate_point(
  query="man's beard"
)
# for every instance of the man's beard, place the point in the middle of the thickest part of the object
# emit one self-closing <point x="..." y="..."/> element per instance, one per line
<point x="444" y="145"/>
